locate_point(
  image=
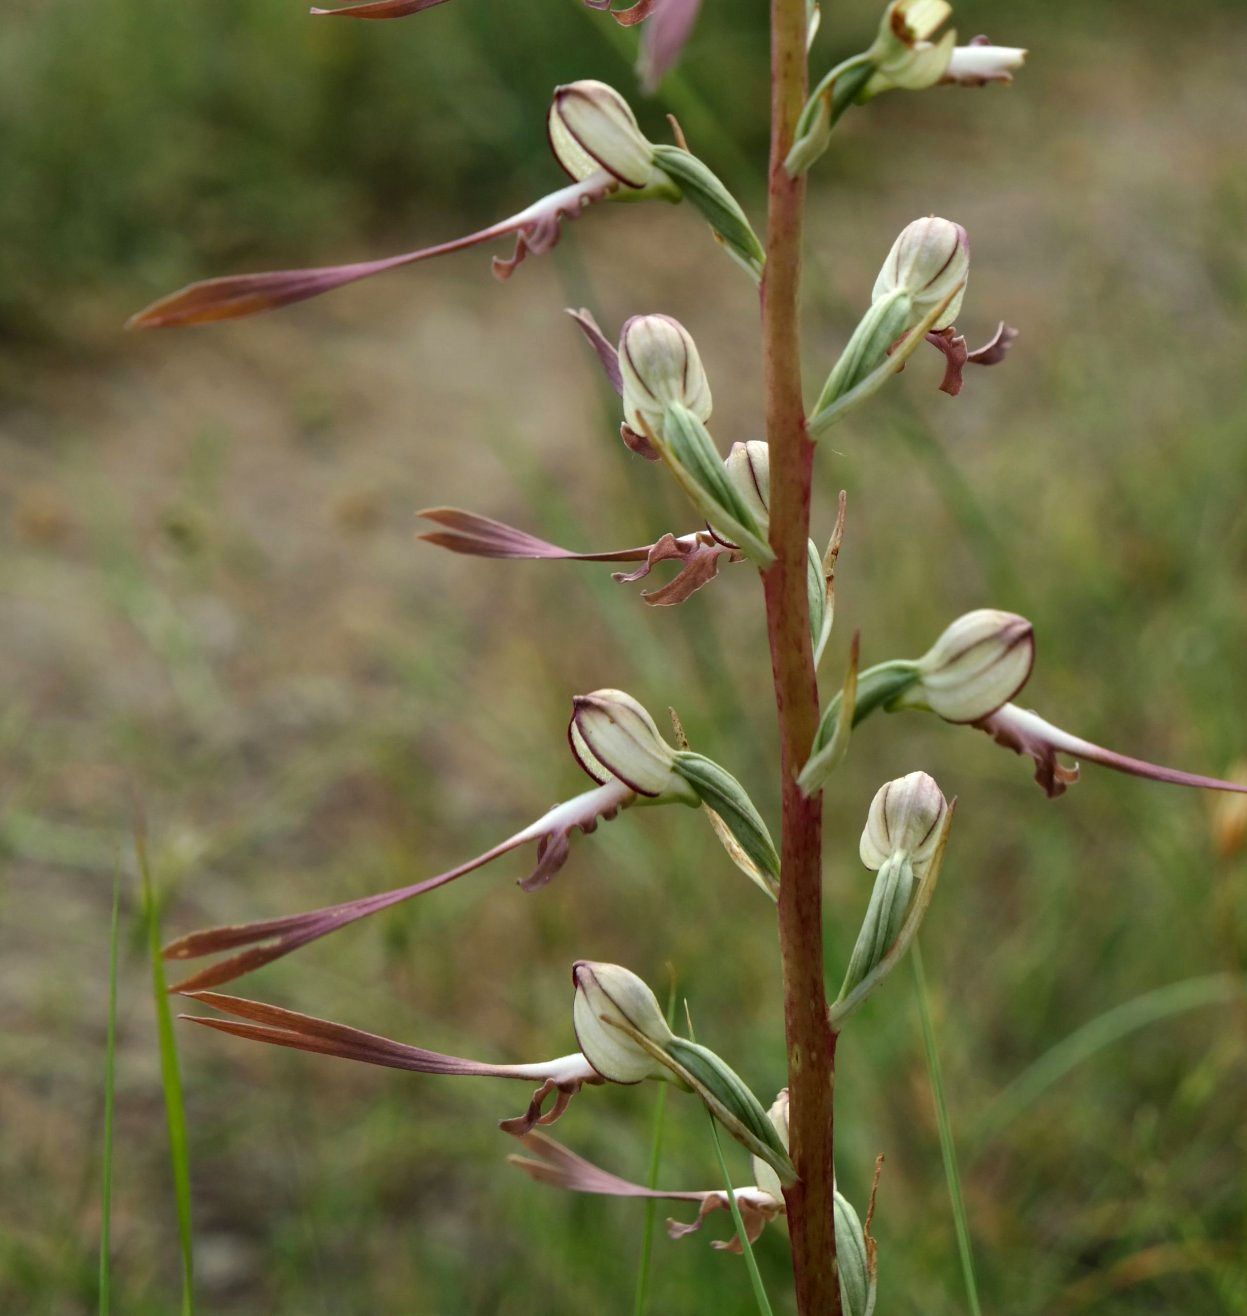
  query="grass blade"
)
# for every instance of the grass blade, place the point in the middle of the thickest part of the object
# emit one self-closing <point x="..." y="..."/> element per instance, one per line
<point x="751" y="1264"/>
<point x="948" y="1149"/>
<point x="1093" y="1036"/>
<point x="110" y="1085"/>
<point x="651" y="1179"/>
<point x="170" y="1076"/>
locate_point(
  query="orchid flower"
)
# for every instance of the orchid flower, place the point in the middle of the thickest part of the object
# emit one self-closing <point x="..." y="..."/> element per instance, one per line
<point x="552" y="1163"/>
<point x="561" y="1078"/>
<point x="270" y="939"/>
<point x="597" y="142"/>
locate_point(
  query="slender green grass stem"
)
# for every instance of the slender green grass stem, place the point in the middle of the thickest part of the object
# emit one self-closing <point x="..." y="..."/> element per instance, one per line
<point x="651" y="1180"/>
<point x="751" y="1263"/>
<point x="948" y="1149"/>
<point x="171" y="1080"/>
<point x="110" y="1087"/>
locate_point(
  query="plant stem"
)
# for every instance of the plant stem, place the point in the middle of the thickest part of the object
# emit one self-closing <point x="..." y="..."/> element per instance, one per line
<point x="810" y="1041"/>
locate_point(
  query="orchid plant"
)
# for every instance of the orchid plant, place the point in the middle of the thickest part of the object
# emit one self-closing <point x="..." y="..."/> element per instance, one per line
<point x="751" y="511"/>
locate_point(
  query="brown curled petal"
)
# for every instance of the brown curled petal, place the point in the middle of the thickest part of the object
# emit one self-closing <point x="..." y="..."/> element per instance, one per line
<point x="711" y="1202"/>
<point x="521" y="1126"/>
<point x="639" y="444"/>
<point x="552" y="853"/>
<point x="953" y="345"/>
<point x="754" y="1221"/>
<point x="579" y="815"/>
<point x="1051" y="774"/>
<point x="994" y="351"/>
<point x="379" y="9"/>
<point x="663" y="550"/>
<point x="634" y="14"/>
<point x="607" y="352"/>
<point x="481" y="536"/>
<point x="700" y="568"/>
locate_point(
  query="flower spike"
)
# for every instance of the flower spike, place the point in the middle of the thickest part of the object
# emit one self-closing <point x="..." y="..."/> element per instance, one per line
<point x="270" y="939"/>
<point x="562" y="1077"/>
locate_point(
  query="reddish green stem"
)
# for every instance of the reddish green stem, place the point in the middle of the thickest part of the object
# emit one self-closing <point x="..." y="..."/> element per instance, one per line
<point x="810" y="1041"/>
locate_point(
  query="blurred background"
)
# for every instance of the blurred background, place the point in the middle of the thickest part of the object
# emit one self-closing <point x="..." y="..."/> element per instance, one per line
<point x="212" y="599"/>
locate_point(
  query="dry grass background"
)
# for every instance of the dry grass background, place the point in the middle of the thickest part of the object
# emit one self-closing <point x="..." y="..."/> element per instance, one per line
<point x="211" y="595"/>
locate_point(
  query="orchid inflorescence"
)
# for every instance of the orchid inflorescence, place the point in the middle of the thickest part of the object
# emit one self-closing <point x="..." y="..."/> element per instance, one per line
<point x="970" y="675"/>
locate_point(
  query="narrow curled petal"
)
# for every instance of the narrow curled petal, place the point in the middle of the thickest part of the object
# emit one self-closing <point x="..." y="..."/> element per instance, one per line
<point x="536" y="230"/>
<point x="957" y="355"/>
<point x="1027" y="733"/>
<point x="301" y="1032"/>
<point x="379" y="9"/>
<point x="481" y="536"/>
<point x="270" y="939"/>
<point x="700" y="556"/>
<point x="607" y="352"/>
<point x="664" y="39"/>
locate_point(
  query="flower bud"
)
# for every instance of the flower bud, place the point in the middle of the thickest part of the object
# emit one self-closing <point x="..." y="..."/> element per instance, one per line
<point x="592" y="127"/>
<point x="979" y="663"/>
<point x="613" y="736"/>
<point x="905" y="818"/>
<point x="764" y="1176"/>
<point x="902" y="54"/>
<point x="1229" y="817"/>
<point x="929" y="260"/>
<point x="660" y="366"/>
<point x="748" y="467"/>
<point x="611" y="1004"/>
<point x="980" y="62"/>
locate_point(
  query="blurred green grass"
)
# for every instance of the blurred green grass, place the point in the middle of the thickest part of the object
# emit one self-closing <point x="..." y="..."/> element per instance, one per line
<point x="211" y="595"/>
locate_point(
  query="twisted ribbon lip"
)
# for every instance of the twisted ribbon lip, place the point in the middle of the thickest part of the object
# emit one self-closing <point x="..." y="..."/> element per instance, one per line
<point x="271" y="939"/>
<point x="536" y="230"/>
<point x="558" y="1166"/>
<point x="259" y="1022"/>
<point x="1026" y="733"/>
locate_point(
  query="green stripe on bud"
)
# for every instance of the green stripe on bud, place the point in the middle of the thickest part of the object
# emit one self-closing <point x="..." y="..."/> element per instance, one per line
<point x="731" y="1102"/>
<point x="690" y="453"/>
<point x="718" y="206"/>
<point x="720" y="792"/>
<point x="853" y="1260"/>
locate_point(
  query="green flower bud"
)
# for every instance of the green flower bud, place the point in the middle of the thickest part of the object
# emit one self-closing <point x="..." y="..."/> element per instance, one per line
<point x="611" y="1004"/>
<point x="660" y="366"/>
<point x="905" y="818"/>
<point x="853" y="1260"/>
<point x="613" y="736"/>
<point x="592" y="127"/>
<point x="978" y="664"/>
<point x="929" y="261"/>
<point x="748" y="467"/>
